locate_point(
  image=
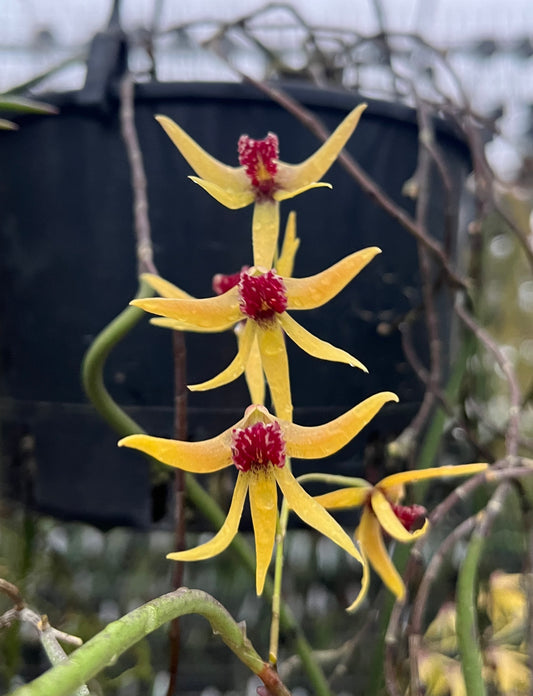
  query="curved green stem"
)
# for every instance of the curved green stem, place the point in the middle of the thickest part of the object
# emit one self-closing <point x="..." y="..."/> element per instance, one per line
<point x="278" y="577"/>
<point x="467" y="629"/>
<point x="92" y="371"/>
<point x="102" y="650"/>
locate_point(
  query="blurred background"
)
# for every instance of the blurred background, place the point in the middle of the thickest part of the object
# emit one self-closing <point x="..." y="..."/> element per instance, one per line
<point x="473" y="58"/>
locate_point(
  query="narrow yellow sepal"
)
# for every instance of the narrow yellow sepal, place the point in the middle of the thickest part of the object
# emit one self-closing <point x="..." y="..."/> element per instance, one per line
<point x="237" y="365"/>
<point x="202" y="162"/>
<point x="390" y="522"/>
<point x="255" y="378"/>
<point x="225" y="534"/>
<point x="315" y="346"/>
<point x="312" y="513"/>
<point x="164" y="287"/>
<point x="344" y="498"/>
<point x="264" y="510"/>
<point x="415" y="475"/>
<point x="315" y="291"/>
<point x="276" y="366"/>
<point x="371" y="541"/>
<point x="206" y="313"/>
<point x="283" y="195"/>
<point x="294" y="177"/>
<point x="199" y="457"/>
<point x="285" y="262"/>
<point x="231" y="199"/>
<point x="265" y="232"/>
<point x="322" y="440"/>
<point x="365" y="584"/>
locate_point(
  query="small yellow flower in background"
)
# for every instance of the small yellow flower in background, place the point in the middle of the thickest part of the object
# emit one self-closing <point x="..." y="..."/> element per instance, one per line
<point x="259" y="446"/>
<point x="505" y="659"/>
<point x="381" y="511"/>
<point x="262" y="178"/>
<point x="261" y="299"/>
<point x="441" y="675"/>
<point x="441" y="633"/>
<point x="506" y="601"/>
<point x="508" y="670"/>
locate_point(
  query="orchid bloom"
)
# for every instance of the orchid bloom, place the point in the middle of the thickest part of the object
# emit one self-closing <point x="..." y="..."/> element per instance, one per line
<point x="261" y="179"/>
<point x="253" y="371"/>
<point x="382" y="511"/>
<point x="258" y="446"/>
<point x="261" y="299"/>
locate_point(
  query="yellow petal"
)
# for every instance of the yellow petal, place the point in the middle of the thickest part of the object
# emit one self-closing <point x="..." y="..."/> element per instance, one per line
<point x="255" y="378"/>
<point x="365" y="584"/>
<point x="231" y="199"/>
<point x="322" y="440"/>
<point x="316" y="346"/>
<point x="308" y="293"/>
<point x="208" y="313"/>
<point x="203" y="163"/>
<point x="176" y="325"/>
<point x="276" y="366"/>
<point x="164" y="288"/>
<point x="285" y="262"/>
<point x="265" y="232"/>
<point x="283" y="194"/>
<point x="344" y="498"/>
<point x="237" y="365"/>
<point x="388" y="520"/>
<point x="435" y="472"/>
<point x="264" y="509"/>
<point x="225" y="534"/>
<point x="292" y="177"/>
<point x="371" y="541"/>
<point x="312" y="513"/>
<point x="200" y="457"/>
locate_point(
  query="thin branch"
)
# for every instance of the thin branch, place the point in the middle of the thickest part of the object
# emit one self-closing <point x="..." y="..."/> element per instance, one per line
<point x="138" y="176"/>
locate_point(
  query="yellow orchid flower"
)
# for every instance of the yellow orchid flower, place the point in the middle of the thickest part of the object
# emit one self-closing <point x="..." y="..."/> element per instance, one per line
<point x="261" y="299"/>
<point x="253" y="371"/>
<point x="506" y="602"/>
<point x="441" y="675"/>
<point x="259" y="446"/>
<point x="262" y="178"/>
<point x="381" y="511"/>
<point x="508" y="670"/>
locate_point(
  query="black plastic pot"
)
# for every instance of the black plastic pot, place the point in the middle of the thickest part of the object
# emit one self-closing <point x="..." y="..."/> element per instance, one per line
<point x="68" y="267"/>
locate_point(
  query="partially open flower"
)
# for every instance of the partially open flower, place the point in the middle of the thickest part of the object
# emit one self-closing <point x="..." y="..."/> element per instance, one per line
<point x="260" y="300"/>
<point x="259" y="446"/>
<point x="381" y="512"/>
<point x="262" y="178"/>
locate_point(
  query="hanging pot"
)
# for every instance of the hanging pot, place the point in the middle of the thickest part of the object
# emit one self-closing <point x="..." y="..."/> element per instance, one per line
<point x="68" y="267"/>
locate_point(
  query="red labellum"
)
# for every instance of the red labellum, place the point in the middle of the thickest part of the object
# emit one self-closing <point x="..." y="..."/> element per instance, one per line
<point x="262" y="296"/>
<point x="258" y="446"/>
<point x="259" y="158"/>
<point x="410" y="515"/>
